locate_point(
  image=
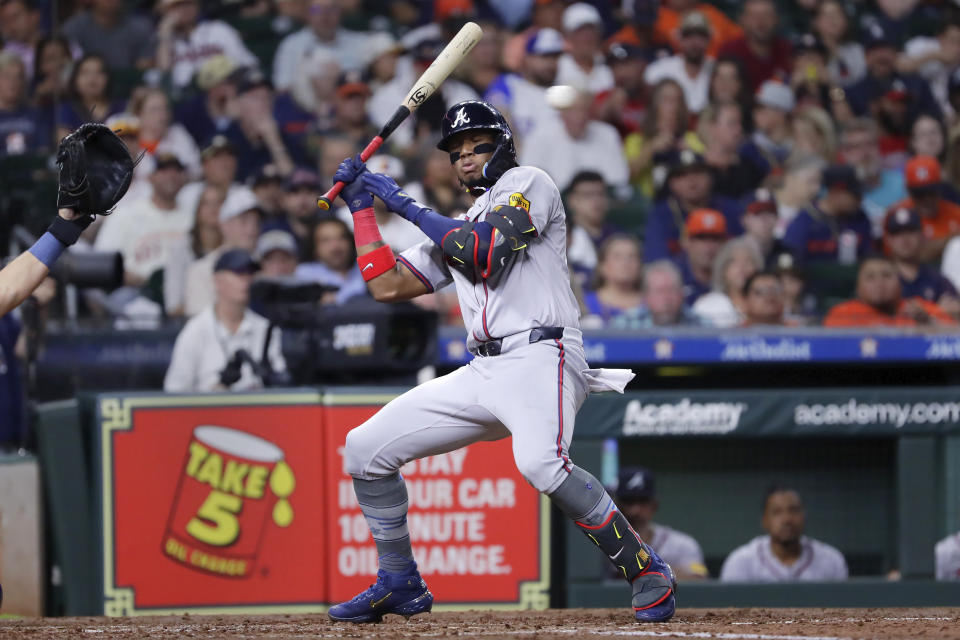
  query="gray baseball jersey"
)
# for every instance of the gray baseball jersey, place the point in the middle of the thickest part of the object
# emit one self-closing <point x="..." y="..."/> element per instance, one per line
<point x="677" y="549"/>
<point x="947" y="553"/>
<point x="536" y="292"/>
<point x="755" y="562"/>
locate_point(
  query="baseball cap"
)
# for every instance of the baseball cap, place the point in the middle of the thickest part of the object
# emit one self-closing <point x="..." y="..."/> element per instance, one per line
<point x="922" y="173"/>
<point x="167" y="160"/>
<point x="902" y="219"/>
<point x="874" y="35"/>
<point x="694" y="22"/>
<point x="776" y="95"/>
<point x="443" y="9"/>
<point x="217" y="144"/>
<point x="763" y="202"/>
<point x="215" y="70"/>
<point x="123" y="124"/>
<point x="706" y="222"/>
<point x="303" y="179"/>
<point x="635" y="483"/>
<point x="236" y="260"/>
<point x="276" y="240"/>
<point x="581" y="14"/>
<point x="378" y="44"/>
<point x="897" y="90"/>
<point x="809" y="42"/>
<point x="350" y="83"/>
<point x="622" y="51"/>
<point x="545" y="42"/>
<point x="841" y="176"/>
<point x="683" y="162"/>
<point x="785" y="262"/>
<point x="427" y="50"/>
<point x="266" y="173"/>
<point x="252" y="78"/>
<point x="239" y="200"/>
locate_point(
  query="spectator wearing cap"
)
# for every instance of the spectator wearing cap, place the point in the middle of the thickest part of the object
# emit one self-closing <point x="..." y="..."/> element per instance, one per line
<point x="738" y="168"/>
<point x="845" y="59"/>
<point x="218" y="165"/>
<point x="424" y="45"/>
<point x="811" y="81"/>
<point x="689" y="186"/>
<point x="763" y="300"/>
<point x="720" y="28"/>
<point x="904" y="240"/>
<point x="300" y="204"/>
<point x="158" y="134"/>
<point x="588" y="204"/>
<point x="690" y="67"/>
<point x="324" y="31"/>
<point x="334" y="261"/>
<point x="802" y="179"/>
<point x="664" y="133"/>
<point x="663" y="301"/>
<point x="185" y="42"/>
<point x="349" y="116"/>
<point x="880" y="303"/>
<point x="146" y="231"/>
<point x="204" y="238"/>
<point x="210" y="111"/>
<point x="625" y="105"/>
<point x="934" y="58"/>
<point x="772" y="135"/>
<point x="800" y="307"/>
<point x="763" y="53"/>
<point x="574" y="142"/>
<point x="760" y="224"/>
<point x="723" y="306"/>
<point x="226" y="330"/>
<point x="545" y="14"/>
<point x="939" y="216"/>
<point x="256" y="134"/>
<point x="834" y="228"/>
<point x="882" y="187"/>
<point x="278" y="254"/>
<point x="87" y="97"/>
<point x="522" y="98"/>
<point x="380" y="64"/>
<point x="124" y="39"/>
<point x="615" y="287"/>
<point x="895" y="99"/>
<point x="23" y="129"/>
<point x="267" y="186"/>
<point x="582" y="66"/>
<point x="704" y="235"/>
<point x="240" y="217"/>
<point x="636" y="497"/>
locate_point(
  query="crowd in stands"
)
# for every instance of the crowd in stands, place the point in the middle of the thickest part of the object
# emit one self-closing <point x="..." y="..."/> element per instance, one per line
<point x="728" y="164"/>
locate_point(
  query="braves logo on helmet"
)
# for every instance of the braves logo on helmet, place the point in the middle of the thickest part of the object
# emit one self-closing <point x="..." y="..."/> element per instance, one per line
<point x="461" y="119"/>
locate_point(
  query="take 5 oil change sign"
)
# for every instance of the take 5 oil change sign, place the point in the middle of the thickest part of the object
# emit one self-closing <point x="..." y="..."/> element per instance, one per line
<point x="212" y="508"/>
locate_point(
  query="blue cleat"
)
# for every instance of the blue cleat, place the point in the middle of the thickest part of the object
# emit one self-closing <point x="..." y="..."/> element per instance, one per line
<point x="654" y="591"/>
<point x="404" y="594"/>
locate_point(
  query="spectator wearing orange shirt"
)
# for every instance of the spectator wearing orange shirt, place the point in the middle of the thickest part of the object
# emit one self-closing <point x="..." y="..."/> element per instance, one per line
<point x="940" y="217"/>
<point x="879" y="302"/>
<point x="722" y="28"/>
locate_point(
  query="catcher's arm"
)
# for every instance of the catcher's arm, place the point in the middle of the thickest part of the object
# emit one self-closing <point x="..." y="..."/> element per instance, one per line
<point x="19" y="278"/>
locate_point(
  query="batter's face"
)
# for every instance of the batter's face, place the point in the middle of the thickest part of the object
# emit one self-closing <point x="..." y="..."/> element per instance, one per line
<point x="469" y="165"/>
<point x="783" y="517"/>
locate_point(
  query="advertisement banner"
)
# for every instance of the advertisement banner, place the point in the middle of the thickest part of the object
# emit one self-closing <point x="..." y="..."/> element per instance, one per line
<point x="239" y="503"/>
<point x="211" y="506"/>
<point x="480" y="532"/>
<point x="880" y="411"/>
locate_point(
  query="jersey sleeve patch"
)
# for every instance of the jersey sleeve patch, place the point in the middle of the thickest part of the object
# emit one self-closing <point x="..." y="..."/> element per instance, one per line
<point x="518" y="200"/>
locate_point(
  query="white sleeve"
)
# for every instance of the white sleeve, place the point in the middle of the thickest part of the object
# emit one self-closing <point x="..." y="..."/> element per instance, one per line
<point x="181" y="374"/>
<point x="950" y="266"/>
<point x="425" y="261"/>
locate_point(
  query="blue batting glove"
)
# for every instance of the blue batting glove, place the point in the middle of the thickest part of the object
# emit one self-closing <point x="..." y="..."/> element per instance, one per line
<point x="355" y="194"/>
<point x="396" y="199"/>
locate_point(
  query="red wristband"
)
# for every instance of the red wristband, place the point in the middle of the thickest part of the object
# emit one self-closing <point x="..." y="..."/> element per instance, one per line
<point x="376" y="262"/>
<point x="365" y="229"/>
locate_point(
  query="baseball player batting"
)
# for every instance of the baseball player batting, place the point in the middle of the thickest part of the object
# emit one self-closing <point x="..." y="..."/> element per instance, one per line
<point x="507" y="259"/>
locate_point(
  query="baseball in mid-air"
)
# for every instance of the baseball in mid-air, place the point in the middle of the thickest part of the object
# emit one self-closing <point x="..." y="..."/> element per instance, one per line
<point x="561" y="96"/>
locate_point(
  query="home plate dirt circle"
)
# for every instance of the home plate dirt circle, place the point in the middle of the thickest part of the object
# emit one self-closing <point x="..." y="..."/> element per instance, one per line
<point x="721" y="624"/>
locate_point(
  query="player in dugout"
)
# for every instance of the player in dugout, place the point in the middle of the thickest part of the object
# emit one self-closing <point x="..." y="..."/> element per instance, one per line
<point x="507" y="260"/>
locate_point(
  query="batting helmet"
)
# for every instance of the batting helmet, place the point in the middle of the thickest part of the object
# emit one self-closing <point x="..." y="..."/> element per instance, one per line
<point x="471" y="115"/>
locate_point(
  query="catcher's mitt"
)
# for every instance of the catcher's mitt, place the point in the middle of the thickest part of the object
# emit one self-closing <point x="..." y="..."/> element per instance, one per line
<point x="95" y="170"/>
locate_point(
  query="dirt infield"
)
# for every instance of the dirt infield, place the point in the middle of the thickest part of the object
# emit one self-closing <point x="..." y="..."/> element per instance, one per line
<point x="725" y="624"/>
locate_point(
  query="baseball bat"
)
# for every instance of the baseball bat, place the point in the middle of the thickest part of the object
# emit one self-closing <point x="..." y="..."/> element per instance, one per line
<point x="425" y="86"/>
